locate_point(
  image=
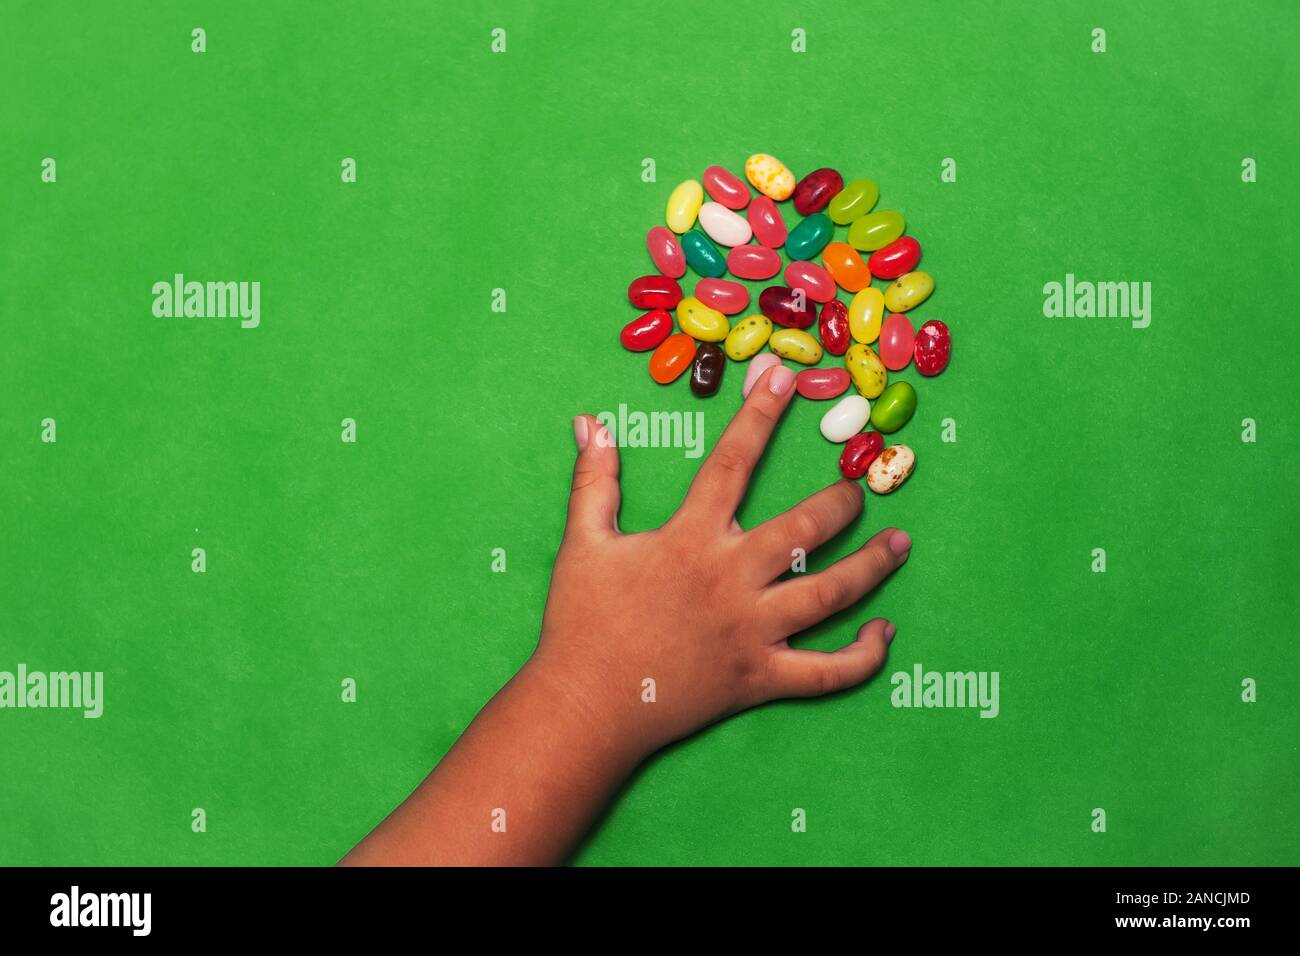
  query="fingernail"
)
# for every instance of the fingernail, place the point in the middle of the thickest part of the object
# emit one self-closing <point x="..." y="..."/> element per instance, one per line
<point x="780" y="381"/>
<point x="580" y="432"/>
<point x="900" y="544"/>
<point x="757" y="366"/>
<point x="890" y="631"/>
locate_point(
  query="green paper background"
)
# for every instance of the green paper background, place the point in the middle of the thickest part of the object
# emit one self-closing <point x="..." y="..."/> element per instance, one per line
<point x="523" y="171"/>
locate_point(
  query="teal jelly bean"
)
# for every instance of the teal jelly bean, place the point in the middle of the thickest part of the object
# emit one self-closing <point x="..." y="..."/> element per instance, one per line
<point x="702" y="255"/>
<point x="809" y="237"/>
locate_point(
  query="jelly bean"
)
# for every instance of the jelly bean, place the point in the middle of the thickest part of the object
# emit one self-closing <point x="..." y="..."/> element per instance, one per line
<point x="748" y="336"/>
<point x="846" y="266"/>
<point x="846" y="418"/>
<point x="866" y="312"/>
<point x="933" y="348"/>
<point x="666" y="252"/>
<point x="725" y="187"/>
<point x="898" y="257"/>
<point x="702" y="255"/>
<point x="859" y="452"/>
<point x="894" y="408"/>
<point x="765" y="219"/>
<point x="809" y="237"/>
<point x="646" y="332"/>
<point x="700" y="322"/>
<point x="815" y="190"/>
<point x="853" y="201"/>
<point x="729" y="298"/>
<point x="896" y="341"/>
<point x="754" y="262"/>
<point x="769" y="176"/>
<point x="821" y="383"/>
<point x="812" y="278"/>
<point x="706" y="370"/>
<point x="788" y="307"/>
<point x="867" y="371"/>
<point x="654" y="292"/>
<point x="673" y="357"/>
<point x="833" y="325"/>
<point x="724" y="226"/>
<point x="757" y="366"/>
<point x="796" y="345"/>
<point x="891" y="469"/>
<point x="684" y="205"/>
<point x="876" y="230"/>
<point x="908" y="291"/>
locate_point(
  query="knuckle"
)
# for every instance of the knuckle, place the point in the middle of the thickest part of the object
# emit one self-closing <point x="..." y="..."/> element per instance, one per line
<point x="830" y="593"/>
<point x="810" y="525"/>
<point x="730" y="460"/>
<point x="880" y="560"/>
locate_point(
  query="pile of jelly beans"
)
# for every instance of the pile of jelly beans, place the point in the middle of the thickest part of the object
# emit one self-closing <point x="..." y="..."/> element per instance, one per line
<point x="695" y="235"/>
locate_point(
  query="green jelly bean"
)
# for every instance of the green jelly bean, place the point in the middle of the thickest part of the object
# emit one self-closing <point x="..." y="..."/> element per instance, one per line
<point x="809" y="237"/>
<point x="853" y="201"/>
<point x="894" y="407"/>
<point x="876" y="230"/>
<point x="702" y="255"/>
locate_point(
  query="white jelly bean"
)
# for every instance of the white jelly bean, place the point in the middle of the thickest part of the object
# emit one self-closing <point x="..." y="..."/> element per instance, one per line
<point x="848" y="417"/>
<point x="890" y="469"/>
<point x="723" y="225"/>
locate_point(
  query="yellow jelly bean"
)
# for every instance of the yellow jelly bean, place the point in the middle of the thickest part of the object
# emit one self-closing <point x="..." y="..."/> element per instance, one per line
<point x="700" y="322"/>
<point x="749" y="335"/>
<point x="770" y="176"/>
<point x="866" y="312"/>
<point x="908" y="291"/>
<point x="796" y="345"/>
<point x="684" y="206"/>
<point x="866" y="370"/>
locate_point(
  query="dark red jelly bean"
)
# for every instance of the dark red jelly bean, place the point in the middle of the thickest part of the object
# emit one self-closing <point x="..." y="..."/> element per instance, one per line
<point x="706" y="370"/>
<point x="898" y="258"/>
<point x="816" y="190"/>
<point x="654" y="292"/>
<point x="933" y="348"/>
<point x="791" y="308"/>
<point x="833" y="326"/>
<point x="645" y="332"/>
<point x="859" y="452"/>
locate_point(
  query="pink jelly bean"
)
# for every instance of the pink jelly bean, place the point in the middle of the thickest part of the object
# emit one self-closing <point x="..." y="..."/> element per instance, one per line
<point x="725" y="187"/>
<point x="753" y="262"/>
<point x="896" y="341"/>
<point x="666" y="252"/>
<point x="812" y="278"/>
<point x="727" y="297"/>
<point x="819" y="383"/>
<point x="765" y="219"/>
<point x="757" y="366"/>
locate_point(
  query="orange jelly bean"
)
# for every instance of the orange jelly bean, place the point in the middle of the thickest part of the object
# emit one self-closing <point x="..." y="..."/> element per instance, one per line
<point x="846" y="267"/>
<point x="672" y="358"/>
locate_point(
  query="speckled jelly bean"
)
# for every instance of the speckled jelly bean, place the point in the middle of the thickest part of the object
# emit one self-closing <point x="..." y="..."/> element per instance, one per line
<point x="729" y="298"/>
<point x="846" y="267"/>
<point x="684" y="205"/>
<point x="833" y="327"/>
<point x="866" y="313"/>
<point x="673" y="357"/>
<point x="725" y="187"/>
<point x="894" y="408"/>
<point x="757" y="366"/>
<point x="822" y="383"/>
<point x="666" y="252"/>
<point x="812" y="278"/>
<point x="654" y="292"/>
<point x="702" y="255"/>
<point x="747" y="337"/>
<point x="866" y="370"/>
<point x="908" y="291"/>
<point x="876" y="230"/>
<point x="859" y="452"/>
<point x="895" y="259"/>
<point x="787" y="307"/>
<point x="753" y="262"/>
<point x="815" y="190"/>
<point x="724" y="226"/>
<point x="933" y="348"/>
<point x="769" y="176"/>
<point x="646" y="332"/>
<point x="896" y="340"/>
<point x="891" y="469"/>
<point x="809" y="237"/>
<point x="706" y="370"/>
<point x="796" y="345"/>
<point x="853" y="201"/>
<point x="846" y="418"/>
<point x="701" y="322"/>
<point x="765" y="219"/>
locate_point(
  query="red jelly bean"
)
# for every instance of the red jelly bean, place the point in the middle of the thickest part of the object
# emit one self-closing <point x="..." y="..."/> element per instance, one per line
<point x="646" y="332"/>
<point x="819" y="383"/>
<point x="753" y="262"/>
<point x="666" y="252"/>
<point x="812" y="278"/>
<point x="788" y="307"/>
<point x="765" y="219"/>
<point x="816" y="190"/>
<point x="725" y="187"/>
<point x="859" y="452"/>
<point x="933" y="348"/>
<point x="898" y="258"/>
<point x="896" y="342"/>
<point x="834" y="327"/>
<point x="727" y="297"/>
<point x="654" y="292"/>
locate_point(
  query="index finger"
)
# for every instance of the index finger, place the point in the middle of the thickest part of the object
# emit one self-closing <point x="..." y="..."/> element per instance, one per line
<point x="720" y="483"/>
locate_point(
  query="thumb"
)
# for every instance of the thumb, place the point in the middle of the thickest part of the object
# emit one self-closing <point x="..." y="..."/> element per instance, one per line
<point x="593" y="503"/>
<point x="808" y="673"/>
